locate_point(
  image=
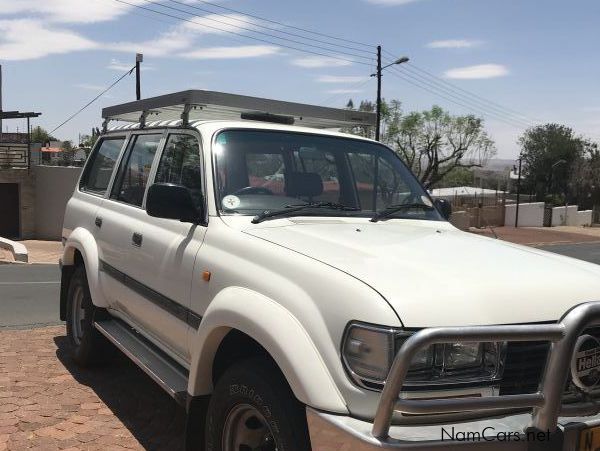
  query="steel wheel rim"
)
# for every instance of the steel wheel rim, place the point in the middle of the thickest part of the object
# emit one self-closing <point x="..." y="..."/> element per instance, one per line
<point x="78" y="315"/>
<point x="246" y="429"/>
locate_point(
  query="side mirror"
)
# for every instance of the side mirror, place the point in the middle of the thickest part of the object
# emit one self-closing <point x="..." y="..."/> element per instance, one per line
<point x="170" y="201"/>
<point x="444" y="207"/>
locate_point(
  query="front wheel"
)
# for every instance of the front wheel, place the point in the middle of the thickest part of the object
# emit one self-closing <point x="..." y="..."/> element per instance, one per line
<point x="253" y="408"/>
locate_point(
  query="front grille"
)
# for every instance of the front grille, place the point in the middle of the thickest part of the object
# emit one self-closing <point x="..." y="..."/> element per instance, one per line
<point x="524" y="365"/>
<point x="525" y="362"/>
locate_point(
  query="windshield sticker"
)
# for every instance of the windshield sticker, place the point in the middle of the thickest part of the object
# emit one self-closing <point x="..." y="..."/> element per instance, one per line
<point x="427" y="201"/>
<point x="230" y="202"/>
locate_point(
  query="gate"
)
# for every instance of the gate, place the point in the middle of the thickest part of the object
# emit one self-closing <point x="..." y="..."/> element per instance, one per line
<point x="9" y="210"/>
<point x="548" y="216"/>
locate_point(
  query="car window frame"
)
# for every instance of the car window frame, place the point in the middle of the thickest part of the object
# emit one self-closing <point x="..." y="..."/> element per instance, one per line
<point x="89" y="162"/>
<point x="124" y="158"/>
<point x="158" y="158"/>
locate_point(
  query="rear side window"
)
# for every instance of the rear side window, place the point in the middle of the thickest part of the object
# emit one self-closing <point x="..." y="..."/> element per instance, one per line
<point x="180" y="164"/>
<point x="132" y="178"/>
<point x="101" y="165"/>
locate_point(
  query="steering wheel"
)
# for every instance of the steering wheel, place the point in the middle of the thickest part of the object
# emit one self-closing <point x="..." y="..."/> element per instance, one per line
<point x="253" y="190"/>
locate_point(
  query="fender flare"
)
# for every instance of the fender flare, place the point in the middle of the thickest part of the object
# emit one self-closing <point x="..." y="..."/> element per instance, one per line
<point x="276" y="330"/>
<point x="83" y="241"/>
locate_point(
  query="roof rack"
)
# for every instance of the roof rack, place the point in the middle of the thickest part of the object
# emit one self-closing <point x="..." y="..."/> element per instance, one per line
<point x="197" y="105"/>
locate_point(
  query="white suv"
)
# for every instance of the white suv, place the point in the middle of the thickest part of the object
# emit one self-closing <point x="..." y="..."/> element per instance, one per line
<point x="296" y="288"/>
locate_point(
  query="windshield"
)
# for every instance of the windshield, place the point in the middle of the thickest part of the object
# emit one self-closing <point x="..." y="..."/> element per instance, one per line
<point x="258" y="171"/>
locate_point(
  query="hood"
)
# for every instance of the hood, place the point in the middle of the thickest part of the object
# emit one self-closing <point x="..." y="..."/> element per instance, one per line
<point x="435" y="275"/>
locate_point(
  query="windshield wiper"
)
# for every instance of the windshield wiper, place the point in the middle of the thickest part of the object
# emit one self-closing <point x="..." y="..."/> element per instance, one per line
<point x="389" y="211"/>
<point x="299" y="207"/>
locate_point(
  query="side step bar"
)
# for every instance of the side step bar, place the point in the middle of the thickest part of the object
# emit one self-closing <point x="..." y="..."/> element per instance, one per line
<point x="161" y="368"/>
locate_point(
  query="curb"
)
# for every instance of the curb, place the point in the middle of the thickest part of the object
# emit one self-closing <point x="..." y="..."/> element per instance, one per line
<point x="18" y="250"/>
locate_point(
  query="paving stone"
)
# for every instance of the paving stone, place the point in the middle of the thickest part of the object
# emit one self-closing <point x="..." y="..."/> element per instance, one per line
<point x="48" y="403"/>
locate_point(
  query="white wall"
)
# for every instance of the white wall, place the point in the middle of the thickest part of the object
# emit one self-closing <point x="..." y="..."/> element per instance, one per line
<point x="53" y="188"/>
<point x="563" y="216"/>
<point x="530" y="215"/>
<point x="584" y="218"/>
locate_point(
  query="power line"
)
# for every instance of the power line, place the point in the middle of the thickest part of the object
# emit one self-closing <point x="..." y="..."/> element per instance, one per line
<point x="459" y="102"/>
<point x="357" y="85"/>
<point x="478" y="105"/>
<point x="242" y="35"/>
<point x="450" y="86"/>
<point x="277" y="30"/>
<point x="94" y="99"/>
<point x="160" y="5"/>
<point x="316" y="33"/>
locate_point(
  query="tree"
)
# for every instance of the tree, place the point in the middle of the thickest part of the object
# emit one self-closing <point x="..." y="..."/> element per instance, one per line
<point x="549" y="153"/>
<point x="67" y="153"/>
<point x="584" y="180"/>
<point x="432" y="143"/>
<point x="39" y="135"/>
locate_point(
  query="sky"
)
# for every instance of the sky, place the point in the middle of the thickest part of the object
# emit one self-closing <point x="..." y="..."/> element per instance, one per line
<point x="516" y="63"/>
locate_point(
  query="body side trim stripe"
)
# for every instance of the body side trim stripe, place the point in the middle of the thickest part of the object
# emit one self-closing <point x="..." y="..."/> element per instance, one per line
<point x="169" y="305"/>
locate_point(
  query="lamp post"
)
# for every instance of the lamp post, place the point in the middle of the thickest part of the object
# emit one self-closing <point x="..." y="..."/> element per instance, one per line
<point x="139" y="58"/>
<point x="554" y="166"/>
<point x="518" y="193"/>
<point x="378" y="74"/>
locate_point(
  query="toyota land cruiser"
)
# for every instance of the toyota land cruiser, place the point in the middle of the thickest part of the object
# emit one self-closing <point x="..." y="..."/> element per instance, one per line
<point x="296" y="288"/>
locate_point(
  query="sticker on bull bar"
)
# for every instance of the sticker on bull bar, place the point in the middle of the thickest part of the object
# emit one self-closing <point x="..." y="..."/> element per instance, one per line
<point x="585" y="365"/>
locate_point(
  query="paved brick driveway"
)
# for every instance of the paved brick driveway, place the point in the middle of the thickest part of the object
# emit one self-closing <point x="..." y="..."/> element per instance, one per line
<point x="48" y="403"/>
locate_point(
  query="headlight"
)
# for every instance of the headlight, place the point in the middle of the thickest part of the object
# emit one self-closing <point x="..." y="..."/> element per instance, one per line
<point x="368" y="352"/>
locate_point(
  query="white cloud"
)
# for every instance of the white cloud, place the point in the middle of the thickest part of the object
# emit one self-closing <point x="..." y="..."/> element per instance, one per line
<point x="454" y="44"/>
<point x="339" y="79"/>
<point x="319" y="61"/>
<point x="25" y="39"/>
<point x="219" y="24"/>
<point x="478" y="71"/>
<point x="67" y="11"/>
<point x="244" y="51"/>
<point x="344" y="91"/>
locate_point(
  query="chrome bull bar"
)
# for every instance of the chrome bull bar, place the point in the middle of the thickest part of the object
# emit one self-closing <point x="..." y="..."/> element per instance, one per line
<point x="546" y="403"/>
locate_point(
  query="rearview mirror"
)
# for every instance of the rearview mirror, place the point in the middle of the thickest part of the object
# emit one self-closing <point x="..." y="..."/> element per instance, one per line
<point x="444" y="207"/>
<point x="170" y="201"/>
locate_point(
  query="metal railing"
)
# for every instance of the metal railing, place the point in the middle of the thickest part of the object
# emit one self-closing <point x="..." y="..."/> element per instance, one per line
<point x="14" y="155"/>
<point x="546" y="403"/>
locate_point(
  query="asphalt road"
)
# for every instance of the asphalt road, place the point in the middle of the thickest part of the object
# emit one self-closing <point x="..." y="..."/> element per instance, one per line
<point x="585" y="251"/>
<point x="29" y="293"/>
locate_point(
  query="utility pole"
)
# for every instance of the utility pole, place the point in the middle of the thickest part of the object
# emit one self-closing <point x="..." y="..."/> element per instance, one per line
<point x="518" y="193"/>
<point x="379" y="70"/>
<point x="139" y="58"/>
<point x="379" y="74"/>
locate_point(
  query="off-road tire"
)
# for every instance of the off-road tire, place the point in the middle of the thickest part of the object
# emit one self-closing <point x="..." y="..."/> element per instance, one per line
<point x="92" y="348"/>
<point x="259" y="383"/>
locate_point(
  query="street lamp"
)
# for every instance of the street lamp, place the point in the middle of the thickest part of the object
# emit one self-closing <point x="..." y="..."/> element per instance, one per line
<point x="554" y="166"/>
<point x="378" y="74"/>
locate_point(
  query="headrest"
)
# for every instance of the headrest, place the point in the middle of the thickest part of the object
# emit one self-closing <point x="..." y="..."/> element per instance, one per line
<point x="303" y="184"/>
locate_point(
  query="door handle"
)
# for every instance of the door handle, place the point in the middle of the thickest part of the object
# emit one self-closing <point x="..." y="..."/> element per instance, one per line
<point x="98" y="221"/>
<point x="136" y="239"/>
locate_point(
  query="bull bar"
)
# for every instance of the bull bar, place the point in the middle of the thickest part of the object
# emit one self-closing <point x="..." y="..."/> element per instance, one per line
<point x="546" y="403"/>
